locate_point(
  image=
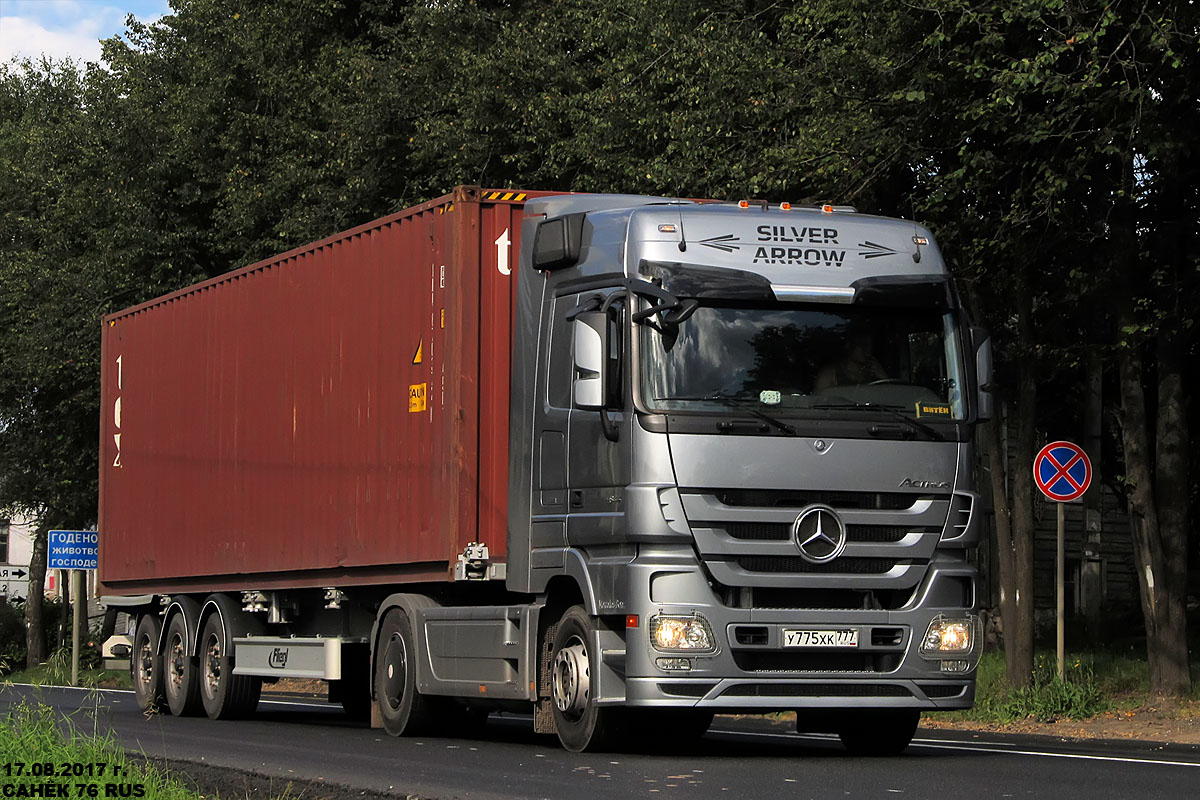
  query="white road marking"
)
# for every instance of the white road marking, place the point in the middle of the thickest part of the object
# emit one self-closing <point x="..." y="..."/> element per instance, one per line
<point x="322" y="706"/>
<point x="941" y="745"/>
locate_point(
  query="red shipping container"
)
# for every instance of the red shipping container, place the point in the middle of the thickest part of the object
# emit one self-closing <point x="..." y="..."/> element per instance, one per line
<point x="336" y="415"/>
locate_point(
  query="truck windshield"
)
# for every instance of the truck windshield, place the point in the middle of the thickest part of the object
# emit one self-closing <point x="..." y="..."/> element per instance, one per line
<point x="806" y="360"/>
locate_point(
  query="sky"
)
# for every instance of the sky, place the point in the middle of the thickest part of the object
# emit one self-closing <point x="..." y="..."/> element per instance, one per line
<point x="67" y="28"/>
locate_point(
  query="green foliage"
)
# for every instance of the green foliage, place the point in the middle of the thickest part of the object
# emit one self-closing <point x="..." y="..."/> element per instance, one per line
<point x="34" y="733"/>
<point x="12" y="633"/>
<point x="1092" y="684"/>
<point x="1074" y="696"/>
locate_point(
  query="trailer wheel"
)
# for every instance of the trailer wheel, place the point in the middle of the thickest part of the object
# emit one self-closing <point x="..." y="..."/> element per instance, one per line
<point x="404" y="711"/>
<point x="180" y="679"/>
<point x="145" y="665"/>
<point x="879" y="733"/>
<point x="223" y="694"/>
<point x="581" y="725"/>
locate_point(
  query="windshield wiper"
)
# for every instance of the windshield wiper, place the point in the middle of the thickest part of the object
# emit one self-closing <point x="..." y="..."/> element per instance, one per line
<point x="929" y="431"/>
<point x="740" y="404"/>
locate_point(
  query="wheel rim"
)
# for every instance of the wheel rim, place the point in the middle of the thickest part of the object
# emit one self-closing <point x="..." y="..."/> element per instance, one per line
<point x="395" y="665"/>
<point x="212" y="665"/>
<point x="176" y="663"/>
<point x="571" y="680"/>
<point x="145" y="662"/>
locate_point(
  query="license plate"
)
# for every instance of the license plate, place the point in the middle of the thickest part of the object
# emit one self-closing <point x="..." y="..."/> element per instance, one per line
<point x="826" y="638"/>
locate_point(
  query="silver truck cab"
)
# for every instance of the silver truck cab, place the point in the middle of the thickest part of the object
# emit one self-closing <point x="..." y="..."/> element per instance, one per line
<point x="744" y="434"/>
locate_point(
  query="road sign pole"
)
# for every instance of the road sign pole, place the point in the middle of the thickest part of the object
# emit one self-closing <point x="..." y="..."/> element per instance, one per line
<point x="1059" y="582"/>
<point x="77" y="596"/>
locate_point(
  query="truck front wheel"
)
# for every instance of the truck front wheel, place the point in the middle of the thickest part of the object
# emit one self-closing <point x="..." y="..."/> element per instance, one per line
<point x="403" y="710"/>
<point x="146" y="666"/>
<point x="180" y="680"/>
<point x="580" y="724"/>
<point x="879" y="733"/>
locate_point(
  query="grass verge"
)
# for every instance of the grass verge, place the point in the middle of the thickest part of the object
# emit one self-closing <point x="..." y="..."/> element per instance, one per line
<point x="57" y="672"/>
<point x="1094" y="683"/>
<point x="39" y="747"/>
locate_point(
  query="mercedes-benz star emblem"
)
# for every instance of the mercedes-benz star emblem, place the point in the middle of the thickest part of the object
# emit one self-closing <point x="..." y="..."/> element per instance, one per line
<point x="819" y="534"/>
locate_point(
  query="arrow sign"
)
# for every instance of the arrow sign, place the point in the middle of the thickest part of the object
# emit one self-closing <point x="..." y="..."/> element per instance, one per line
<point x="1062" y="471"/>
<point x="11" y="571"/>
<point x="12" y="587"/>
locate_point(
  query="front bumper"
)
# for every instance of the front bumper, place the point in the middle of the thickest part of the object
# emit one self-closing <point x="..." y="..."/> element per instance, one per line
<point x="751" y="670"/>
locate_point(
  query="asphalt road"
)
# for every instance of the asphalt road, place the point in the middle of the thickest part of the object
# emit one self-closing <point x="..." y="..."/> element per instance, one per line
<point x="737" y="759"/>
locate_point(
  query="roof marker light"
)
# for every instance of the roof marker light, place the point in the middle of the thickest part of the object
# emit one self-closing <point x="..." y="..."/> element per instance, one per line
<point x="743" y="203"/>
<point x="827" y="209"/>
<point x="920" y="240"/>
<point x="785" y="206"/>
<point x="666" y="228"/>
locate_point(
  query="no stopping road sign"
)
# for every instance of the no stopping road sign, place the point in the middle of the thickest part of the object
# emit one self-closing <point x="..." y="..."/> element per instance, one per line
<point x="1062" y="471"/>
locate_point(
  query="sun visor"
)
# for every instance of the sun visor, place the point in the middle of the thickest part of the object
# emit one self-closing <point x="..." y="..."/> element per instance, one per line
<point x="906" y="291"/>
<point x="708" y="283"/>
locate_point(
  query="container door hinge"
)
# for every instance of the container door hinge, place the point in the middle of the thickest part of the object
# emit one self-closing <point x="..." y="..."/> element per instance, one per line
<point x="475" y="564"/>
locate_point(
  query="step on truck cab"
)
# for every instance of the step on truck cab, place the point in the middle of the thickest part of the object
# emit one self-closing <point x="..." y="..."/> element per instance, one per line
<point x="727" y="469"/>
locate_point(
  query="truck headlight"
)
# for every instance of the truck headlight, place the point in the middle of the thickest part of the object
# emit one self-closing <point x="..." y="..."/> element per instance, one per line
<point x="950" y="637"/>
<point x="678" y="634"/>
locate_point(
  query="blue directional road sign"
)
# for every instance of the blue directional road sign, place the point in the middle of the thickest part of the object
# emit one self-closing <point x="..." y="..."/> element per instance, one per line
<point x="1062" y="471"/>
<point x="73" y="550"/>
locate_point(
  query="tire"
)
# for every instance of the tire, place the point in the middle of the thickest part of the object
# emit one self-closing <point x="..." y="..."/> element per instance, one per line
<point x="223" y="694"/>
<point x="581" y="725"/>
<point x="145" y="666"/>
<point x="180" y="680"/>
<point x="879" y="733"/>
<point x="403" y="710"/>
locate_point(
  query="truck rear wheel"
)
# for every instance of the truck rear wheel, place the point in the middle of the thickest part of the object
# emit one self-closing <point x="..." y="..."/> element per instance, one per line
<point x="581" y="725"/>
<point x="146" y="666"/>
<point x="223" y="694"/>
<point x="879" y="733"/>
<point x="403" y="710"/>
<point x="180" y="681"/>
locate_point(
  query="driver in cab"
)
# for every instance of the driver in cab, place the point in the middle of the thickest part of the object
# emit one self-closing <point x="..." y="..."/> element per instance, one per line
<point x="857" y="365"/>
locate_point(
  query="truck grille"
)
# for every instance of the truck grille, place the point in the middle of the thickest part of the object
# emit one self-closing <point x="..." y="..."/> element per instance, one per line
<point x="744" y="537"/>
<point x="777" y="661"/>
<point x="781" y="531"/>
<point x="846" y="566"/>
<point x="765" y="498"/>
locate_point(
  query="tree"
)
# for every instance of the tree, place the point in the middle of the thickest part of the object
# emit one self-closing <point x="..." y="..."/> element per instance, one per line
<point x="47" y="281"/>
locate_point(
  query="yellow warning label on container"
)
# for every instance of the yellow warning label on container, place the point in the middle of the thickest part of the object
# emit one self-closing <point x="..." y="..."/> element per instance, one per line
<point x="933" y="410"/>
<point x="416" y="397"/>
<point x="418" y="356"/>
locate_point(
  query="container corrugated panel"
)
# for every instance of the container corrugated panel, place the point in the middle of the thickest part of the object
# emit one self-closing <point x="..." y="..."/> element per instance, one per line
<point x="337" y="415"/>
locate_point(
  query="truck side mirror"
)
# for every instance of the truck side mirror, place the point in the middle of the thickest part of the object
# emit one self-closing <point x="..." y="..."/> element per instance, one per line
<point x="558" y="242"/>
<point x="590" y="387"/>
<point x="983" y="373"/>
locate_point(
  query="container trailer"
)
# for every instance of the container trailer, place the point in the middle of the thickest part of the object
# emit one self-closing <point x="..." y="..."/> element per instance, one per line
<point x="622" y="462"/>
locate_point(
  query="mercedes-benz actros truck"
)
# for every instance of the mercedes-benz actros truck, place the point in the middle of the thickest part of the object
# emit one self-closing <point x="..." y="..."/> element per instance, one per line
<point x="621" y="462"/>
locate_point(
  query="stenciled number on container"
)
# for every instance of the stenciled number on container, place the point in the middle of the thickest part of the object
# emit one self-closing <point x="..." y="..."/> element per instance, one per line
<point x="502" y="245"/>
<point x="117" y="413"/>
